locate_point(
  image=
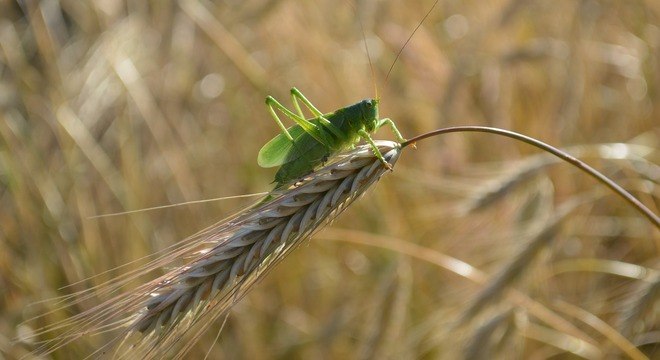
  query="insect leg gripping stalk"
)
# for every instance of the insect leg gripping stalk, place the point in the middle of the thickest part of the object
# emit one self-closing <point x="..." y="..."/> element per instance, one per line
<point x="365" y="135"/>
<point x="390" y="123"/>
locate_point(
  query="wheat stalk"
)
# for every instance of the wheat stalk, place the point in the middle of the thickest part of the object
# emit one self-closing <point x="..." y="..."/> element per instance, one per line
<point x="638" y="312"/>
<point x="222" y="262"/>
<point x="491" y="337"/>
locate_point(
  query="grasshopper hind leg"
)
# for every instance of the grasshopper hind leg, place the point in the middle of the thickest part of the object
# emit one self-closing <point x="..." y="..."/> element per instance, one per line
<point x="309" y="127"/>
<point x="297" y="95"/>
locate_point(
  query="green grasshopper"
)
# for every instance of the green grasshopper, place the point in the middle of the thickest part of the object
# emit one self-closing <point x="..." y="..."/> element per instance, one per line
<point x="302" y="147"/>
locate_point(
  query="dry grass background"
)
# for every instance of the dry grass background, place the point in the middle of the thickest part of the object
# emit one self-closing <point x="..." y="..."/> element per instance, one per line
<point x="109" y="106"/>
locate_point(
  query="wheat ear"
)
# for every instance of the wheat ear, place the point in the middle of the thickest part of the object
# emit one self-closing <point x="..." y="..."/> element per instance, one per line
<point x="223" y="261"/>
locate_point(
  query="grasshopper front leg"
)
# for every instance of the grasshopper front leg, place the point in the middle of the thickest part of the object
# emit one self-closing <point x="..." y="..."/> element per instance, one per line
<point x="365" y="135"/>
<point x="397" y="134"/>
<point x="390" y="123"/>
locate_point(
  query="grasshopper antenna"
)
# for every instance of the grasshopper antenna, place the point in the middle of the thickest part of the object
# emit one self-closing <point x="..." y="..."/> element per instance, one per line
<point x="366" y="48"/>
<point x="409" y="38"/>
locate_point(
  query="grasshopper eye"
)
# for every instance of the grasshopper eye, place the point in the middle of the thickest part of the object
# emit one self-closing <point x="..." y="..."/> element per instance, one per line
<point x="369" y="103"/>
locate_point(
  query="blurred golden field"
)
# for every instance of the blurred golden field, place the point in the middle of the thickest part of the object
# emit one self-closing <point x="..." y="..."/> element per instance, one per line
<point x="111" y="106"/>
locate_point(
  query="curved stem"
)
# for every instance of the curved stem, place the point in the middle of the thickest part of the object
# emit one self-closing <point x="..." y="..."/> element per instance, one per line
<point x="553" y="150"/>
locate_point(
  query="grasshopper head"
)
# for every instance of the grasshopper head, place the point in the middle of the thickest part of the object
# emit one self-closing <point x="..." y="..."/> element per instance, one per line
<point x="369" y="110"/>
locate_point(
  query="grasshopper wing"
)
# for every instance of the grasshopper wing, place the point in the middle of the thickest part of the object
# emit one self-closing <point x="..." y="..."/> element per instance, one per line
<point x="280" y="150"/>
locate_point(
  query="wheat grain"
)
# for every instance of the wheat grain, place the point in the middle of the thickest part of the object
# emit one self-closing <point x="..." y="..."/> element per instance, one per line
<point x="222" y="262"/>
<point x="518" y="265"/>
<point x="505" y="184"/>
